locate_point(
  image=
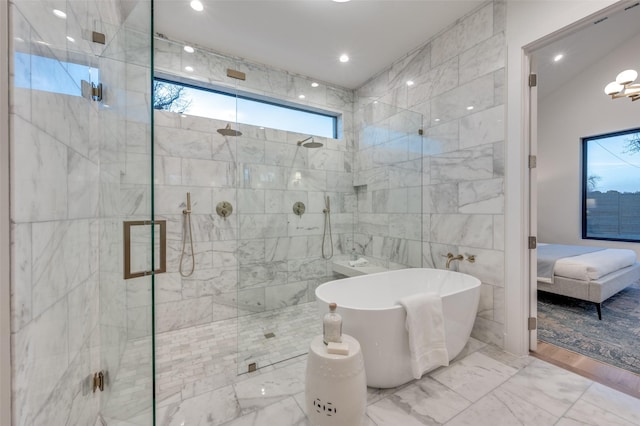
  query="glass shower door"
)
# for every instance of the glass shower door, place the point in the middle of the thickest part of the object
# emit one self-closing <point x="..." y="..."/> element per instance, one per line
<point x="80" y="167"/>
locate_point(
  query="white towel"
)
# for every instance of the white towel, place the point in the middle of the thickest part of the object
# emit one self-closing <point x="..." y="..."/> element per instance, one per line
<point x="360" y="262"/>
<point x="425" y="325"/>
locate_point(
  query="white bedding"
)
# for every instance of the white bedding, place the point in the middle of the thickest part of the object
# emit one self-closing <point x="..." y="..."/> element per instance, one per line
<point x="591" y="266"/>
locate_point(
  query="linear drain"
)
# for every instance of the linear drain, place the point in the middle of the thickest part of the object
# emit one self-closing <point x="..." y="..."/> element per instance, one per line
<point x="269" y="335"/>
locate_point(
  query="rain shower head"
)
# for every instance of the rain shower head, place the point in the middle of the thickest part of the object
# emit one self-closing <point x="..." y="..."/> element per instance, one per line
<point x="310" y="144"/>
<point x="228" y="131"/>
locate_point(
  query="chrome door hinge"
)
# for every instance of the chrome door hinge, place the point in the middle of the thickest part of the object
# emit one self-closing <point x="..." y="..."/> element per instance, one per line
<point x="533" y="80"/>
<point x="533" y="323"/>
<point x="533" y="242"/>
<point x="533" y="161"/>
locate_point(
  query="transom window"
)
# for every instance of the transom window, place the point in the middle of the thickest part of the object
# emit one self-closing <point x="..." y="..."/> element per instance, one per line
<point x="220" y="105"/>
<point x="611" y="186"/>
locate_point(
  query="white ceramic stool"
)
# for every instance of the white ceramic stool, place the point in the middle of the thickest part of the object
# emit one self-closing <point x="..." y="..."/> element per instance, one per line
<point x="336" y="386"/>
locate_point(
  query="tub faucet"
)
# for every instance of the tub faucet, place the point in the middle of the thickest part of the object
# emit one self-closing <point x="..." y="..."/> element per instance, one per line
<point x="451" y="257"/>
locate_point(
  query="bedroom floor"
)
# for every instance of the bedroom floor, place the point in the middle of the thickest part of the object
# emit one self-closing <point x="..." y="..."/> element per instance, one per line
<point x="483" y="386"/>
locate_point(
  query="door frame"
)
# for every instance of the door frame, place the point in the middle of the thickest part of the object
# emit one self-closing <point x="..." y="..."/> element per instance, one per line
<point x="527" y="24"/>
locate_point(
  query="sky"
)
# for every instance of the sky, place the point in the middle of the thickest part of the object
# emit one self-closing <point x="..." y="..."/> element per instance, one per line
<point x="618" y="169"/>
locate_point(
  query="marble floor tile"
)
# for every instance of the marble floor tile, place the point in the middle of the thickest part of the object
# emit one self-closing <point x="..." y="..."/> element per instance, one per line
<point x="427" y="401"/>
<point x="199" y="382"/>
<point x="285" y="412"/>
<point x="212" y="408"/>
<point x="474" y="376"/>
<point x="499" y="408"/>
<point x="585" y="413"/>
<point x="625" y="406"/>
<point x="547" y="386"/>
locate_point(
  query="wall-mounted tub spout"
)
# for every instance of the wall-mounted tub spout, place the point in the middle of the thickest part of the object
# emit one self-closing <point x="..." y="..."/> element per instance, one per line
<point x="186" y="213"/>
<point x="451" y="258"/>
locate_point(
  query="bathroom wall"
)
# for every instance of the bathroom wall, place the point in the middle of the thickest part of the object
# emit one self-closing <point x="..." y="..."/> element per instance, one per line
<point x="68" y="299"/>
<point x="263" y="256"/>
<point x="463" y="164"/>
<point x="388" y="181"/>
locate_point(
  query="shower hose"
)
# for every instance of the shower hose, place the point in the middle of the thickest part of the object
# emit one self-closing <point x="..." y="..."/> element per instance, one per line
<point x="327" y="226"/>
<point x="187" y="227"/>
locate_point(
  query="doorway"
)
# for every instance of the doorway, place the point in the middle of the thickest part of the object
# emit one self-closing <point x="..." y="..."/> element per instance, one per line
<point x="567" y="104"/>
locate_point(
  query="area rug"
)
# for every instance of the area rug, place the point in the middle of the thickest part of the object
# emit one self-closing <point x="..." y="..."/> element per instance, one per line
<point x="573" y="324"/>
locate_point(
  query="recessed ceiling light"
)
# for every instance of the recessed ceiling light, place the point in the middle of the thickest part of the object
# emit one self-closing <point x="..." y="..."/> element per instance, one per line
<point x="188" y="69"/>
<point x="436" y="120"/>
<point x="44" y="43"/>
<point x="197" y="5"/>
<point x="558" y="57"/>
<point x="470" y="107"/>
<point x="301" y="96"/>
<point x="344" y="58"/>
<point x="341" y="1"/>
<point x="59" y="13"/>
<point x="189" y="49"/>
<point x="410" y="83"/>
<point x="71" y="39"/>
<point x="314" y="84"/>
<point x="19" y="39"/>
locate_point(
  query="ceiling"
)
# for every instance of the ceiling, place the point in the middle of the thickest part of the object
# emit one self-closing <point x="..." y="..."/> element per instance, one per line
<point x="583" y="48"/>
<point x="308" y="36"/>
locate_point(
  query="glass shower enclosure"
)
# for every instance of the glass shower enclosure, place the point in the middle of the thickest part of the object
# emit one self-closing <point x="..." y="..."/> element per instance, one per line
<point x="80" y="171"/>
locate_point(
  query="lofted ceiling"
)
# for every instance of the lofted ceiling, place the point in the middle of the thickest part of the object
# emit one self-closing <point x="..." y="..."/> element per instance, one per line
<point x="584" y="47"/>
<point x="308" y="36"/>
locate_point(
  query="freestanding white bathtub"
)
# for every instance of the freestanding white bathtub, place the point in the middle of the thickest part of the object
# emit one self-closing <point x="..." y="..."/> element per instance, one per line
<point x="371" y="313"/>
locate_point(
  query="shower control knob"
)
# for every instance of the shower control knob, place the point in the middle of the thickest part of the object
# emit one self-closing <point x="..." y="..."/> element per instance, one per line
<point x="224" y="209"/>
<point x="299" y="208"/>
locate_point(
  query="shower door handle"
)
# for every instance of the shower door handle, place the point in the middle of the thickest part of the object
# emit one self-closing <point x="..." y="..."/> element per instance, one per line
<point x="143" y="247"/>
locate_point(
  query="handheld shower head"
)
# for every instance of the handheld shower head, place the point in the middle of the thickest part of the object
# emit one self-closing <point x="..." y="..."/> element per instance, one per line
<point x="311" y="144"/>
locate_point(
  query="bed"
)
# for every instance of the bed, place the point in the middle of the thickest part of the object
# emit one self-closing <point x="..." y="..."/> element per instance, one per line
<point x="593" y="274"/>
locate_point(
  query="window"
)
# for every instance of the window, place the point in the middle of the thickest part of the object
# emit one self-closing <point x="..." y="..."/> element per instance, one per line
<point x="204" y="102"/>
<point x="51" y="75"/>
<point x="611" y="186"/>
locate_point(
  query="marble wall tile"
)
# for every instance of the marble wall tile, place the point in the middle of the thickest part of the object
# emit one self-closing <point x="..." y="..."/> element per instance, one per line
<point x="482" y="196"/>
<point x="441" y="198"/>
<point x="488" y="331"/>
<point x="482" y="128"/>
<point x="474" y="28"/>
<point x="483" y="58"/>
<point x="263" y="274"/>
<point x="434" y="82"/>
<point x="208" y="173"/>
<point x="40" y="171"/>
<point x="184" y="313"/>
<point x="52" y="243"/>
<point x="44" y="356"/>
<point x="467" y="230"/>
<point x="472" y="164"/>
<point x="281" y="296"/>
<point x="488" y="267"/>
<point x="454" y="104"/>
<point x="21" y="269"/>
<point x="82" y="186"/>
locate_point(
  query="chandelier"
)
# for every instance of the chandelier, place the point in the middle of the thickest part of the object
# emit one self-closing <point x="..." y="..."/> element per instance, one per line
<point x="623" y="87"/>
